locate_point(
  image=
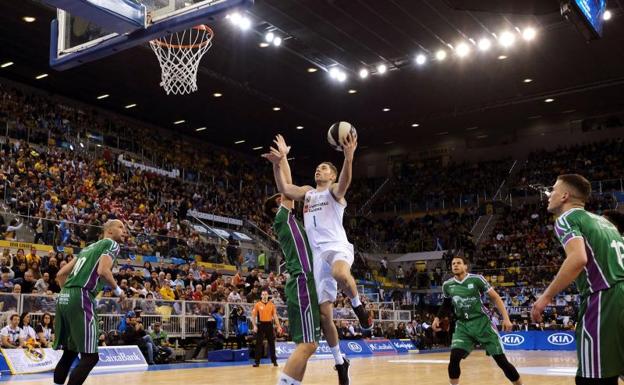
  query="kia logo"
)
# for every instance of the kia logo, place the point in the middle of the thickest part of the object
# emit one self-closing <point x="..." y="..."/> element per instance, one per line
<point x="560" y="339"/>
<point x="513" y="339"/>
<point x="355" y="348"/>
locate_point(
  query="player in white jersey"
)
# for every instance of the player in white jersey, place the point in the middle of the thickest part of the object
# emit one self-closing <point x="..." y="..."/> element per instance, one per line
<point x="333" y="254"/>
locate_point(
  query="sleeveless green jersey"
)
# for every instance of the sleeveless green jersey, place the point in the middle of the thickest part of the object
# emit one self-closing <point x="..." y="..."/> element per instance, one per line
<point x="293" y="241"/>
<point x="603" y="244"/>
<point x="466" y="296"/>
<point x="84" y="274"/>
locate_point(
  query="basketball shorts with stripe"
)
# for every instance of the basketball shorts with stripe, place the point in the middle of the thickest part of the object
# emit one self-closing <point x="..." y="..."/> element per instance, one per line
<point x="600" y="334"/>
<point x="480" y="331"/>
<point x="76" y="324"/>
<point x="303" y="309"/>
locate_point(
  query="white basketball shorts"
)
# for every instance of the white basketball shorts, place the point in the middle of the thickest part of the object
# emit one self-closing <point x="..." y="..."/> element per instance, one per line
<point x="325" y="255"/>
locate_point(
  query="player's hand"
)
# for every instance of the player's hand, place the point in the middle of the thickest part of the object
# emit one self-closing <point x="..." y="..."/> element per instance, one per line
<point x="436" y="324"/>
<point x="274" y="156"/>
<point x="349" y="144"/>
<point x="507" y="325"/>
<point x="255" y="329"/>
<point x="282" y="147"/>
<point x="538" y="308"/>
<point x="279" y="330"/>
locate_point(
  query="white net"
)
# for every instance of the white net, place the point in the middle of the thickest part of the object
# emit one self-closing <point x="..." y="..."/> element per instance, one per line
<point x="179" y="55"/>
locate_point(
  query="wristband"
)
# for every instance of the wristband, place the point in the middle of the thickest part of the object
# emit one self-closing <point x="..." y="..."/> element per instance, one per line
<point x="118" y="291"/>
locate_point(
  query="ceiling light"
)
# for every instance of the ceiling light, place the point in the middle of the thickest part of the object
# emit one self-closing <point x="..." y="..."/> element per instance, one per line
<point x="527" y="80"/>
<point x="529" y="33"/>
<point x="200" y="129"/>
<point x="269" y="37"/>
<point x="276" y="109"/>
<point x="277" y="41"/>
<point x="179" y="122"/>
<point x="257" y="148"/>
<point x="389" y="142"/>
<point x="363" y="73"/>
<point x="441" y="55"/>
<point x="290" y="159"/>
<point x="462" y="50"/>
<point x="98" y="145"/>
<point x="299" y="127"/>
<point x="28" y="19"/>
<point x="502" y="57"/>
<point x="103" y="96"/>
<point x="382" y="69"/>
<point x="81" y="145"/>
<point x="333" y="72"/>
<point x="217" y="95"/>
<point x="472" y="128"/>
<point x="482" y="136"/>
<point x="38" y="77"/>
<point x="549" y="100"/>
<point x="415" y="125"/>
<point x="442" y="133"/>
<point x="312" y="70"/>
<point x="130" y="106"/>
<point x="342" y="76"/>
<point x="7" y="64"/>
<point x="71" y="147"/>
<point x="507" y="39"/>
<point x="264" y="44"/>
<point x="421" y="59"/>
<point x="353" y="91"/>
<point x="245" y="24"/>
<point x="239" y="142"/>
<point x="607" y="15"/>
<point x="485" y="44"/>
<point x="386" y="109"/>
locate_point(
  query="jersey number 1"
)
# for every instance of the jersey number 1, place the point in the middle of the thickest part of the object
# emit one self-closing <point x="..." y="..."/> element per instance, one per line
<point x="314" y="218"/>
<point x="619" y="250"/>
<point x="79" y="263"/>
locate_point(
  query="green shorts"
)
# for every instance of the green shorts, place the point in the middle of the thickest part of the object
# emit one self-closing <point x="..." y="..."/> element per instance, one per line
<point x="478" y="330"/>
<point x="76" y="324"/>
<point x="600" y="334"/>
<point x="303" y="309"/>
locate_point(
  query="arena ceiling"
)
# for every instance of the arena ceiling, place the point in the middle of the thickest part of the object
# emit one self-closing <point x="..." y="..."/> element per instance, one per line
<point x="469" y="98"/>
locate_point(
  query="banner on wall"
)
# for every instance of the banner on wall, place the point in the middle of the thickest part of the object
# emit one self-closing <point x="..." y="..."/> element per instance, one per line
<point x="403" y="345"/>
<point x="26" y="246"/>
<point x="112" y="359"/>
<point x="381" y="347"/>
<point x="355" y="348"/>
<point x="23" y="361"/>
<point x="539" y="340"/>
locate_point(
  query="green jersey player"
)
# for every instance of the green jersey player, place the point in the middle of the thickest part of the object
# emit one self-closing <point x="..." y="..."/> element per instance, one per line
<point x="595" y="259"/>
<point x="463" y="293"/>
<point x="76" y="323"/>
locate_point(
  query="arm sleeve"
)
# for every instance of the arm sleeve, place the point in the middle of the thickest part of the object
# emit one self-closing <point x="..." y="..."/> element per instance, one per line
<point x="484" y="286"/>
<point x="567" y="228"/>
<point x="112" y="250"/>
<point x="446" y="308"/>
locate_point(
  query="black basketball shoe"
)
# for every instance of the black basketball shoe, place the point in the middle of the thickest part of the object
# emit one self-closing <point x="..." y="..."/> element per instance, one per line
<point x="343" y="372"/>
<point x="366" y="322"/>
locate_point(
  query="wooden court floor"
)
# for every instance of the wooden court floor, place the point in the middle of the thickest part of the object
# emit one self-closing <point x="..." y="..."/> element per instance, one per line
<point x="551" y="368"/>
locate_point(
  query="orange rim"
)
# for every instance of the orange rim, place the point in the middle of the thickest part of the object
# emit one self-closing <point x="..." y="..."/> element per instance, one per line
<point x="201" y="27"/>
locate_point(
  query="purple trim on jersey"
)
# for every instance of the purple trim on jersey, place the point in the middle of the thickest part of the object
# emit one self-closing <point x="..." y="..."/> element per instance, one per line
<point x="302" y="251"/>
<point x="92" y="282"/>
<point x="595" y="278"/>
<point x="304" y="304"/>
<point x="87" y="306"/>
<point x="591" y="322"/>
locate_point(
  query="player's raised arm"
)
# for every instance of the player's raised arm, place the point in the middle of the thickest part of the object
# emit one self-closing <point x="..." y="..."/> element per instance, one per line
<point x="290" y="190"/>
<point x="339" y="190"/>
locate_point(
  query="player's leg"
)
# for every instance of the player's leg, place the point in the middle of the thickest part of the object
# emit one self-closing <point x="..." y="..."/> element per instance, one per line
<point x="84" y="334"/>
<point x="303" y="315"/>
<point x="259" y="344"/>
<point x="488" y="337"/>
<point x="61" y="327"/>
<point x="295" y="367"/>
<point x="454" y="369"/>
<point x="331" y="335"/>
<point x="461" y="346"/>
<point x="341" y="262"/>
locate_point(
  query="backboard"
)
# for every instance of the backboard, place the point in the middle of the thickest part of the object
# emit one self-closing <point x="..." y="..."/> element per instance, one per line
<point x="87" y="30"/>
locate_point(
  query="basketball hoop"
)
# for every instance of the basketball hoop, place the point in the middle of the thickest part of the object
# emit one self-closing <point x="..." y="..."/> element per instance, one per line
<point x="179" y="55"/>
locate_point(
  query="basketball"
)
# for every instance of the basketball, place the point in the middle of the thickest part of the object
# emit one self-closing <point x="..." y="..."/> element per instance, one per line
<point x="338" y="132"/>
